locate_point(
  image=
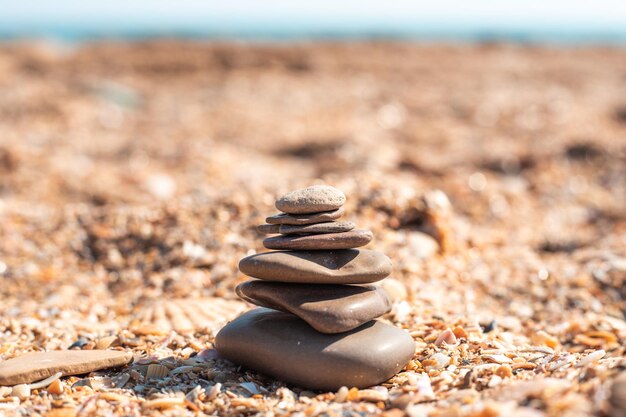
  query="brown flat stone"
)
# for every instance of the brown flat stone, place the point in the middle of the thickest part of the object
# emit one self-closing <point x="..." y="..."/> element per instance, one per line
<point x="311" y="200"/>
<point x="268" y="229"/>
<point x="329" y="227"/>
<point x="285" y="347"/>
<point x="327" y="308"/>
<point x="311" y="218"/>
<point x="36" y="366"/>
<point x="347" y="266"/>
<point x="326" y="241"/>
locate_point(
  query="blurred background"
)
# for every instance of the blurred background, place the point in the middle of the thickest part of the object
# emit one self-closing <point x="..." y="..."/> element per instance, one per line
<point x="483" y="142"/>
<point x="281" y="20"/>
<point x="516" y="110"/>
<point x="141" y="142"/>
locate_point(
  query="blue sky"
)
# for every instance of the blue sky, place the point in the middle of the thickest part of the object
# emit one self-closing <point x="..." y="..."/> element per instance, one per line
<point x="231" y="17"/>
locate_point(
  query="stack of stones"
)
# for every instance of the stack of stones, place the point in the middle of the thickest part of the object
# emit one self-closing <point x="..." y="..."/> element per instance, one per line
<point x="317" y="327"/>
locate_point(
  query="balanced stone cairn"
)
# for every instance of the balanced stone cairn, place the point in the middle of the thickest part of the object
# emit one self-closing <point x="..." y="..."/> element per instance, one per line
<point x="317" y="326"/>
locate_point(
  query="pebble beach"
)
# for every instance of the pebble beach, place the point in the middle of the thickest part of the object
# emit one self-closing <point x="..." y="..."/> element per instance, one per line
<point x="133" y="176"/>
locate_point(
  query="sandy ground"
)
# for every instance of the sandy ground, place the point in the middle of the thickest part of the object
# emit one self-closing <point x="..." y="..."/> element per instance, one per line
<point x="134" y="174"/>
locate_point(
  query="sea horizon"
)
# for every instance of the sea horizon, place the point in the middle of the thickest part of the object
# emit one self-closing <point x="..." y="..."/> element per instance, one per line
<point x="559" y="22"/>
<point x="535" y="36"/>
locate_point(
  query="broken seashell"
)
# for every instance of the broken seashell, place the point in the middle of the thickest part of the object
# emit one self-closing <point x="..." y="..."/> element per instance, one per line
<point x="21" y="391"/>
<point x="564" y="361"/>
<point x="214" y="391"/>
<point x="353" y="394"/>
<point x="524" y="365"/>
<point x="250" y="387"/>
<point x="436" y="361"/>
<point x="112" y="396"/>
<point x="495" y="380"/>
<point x="182" y="369"/>
<point x="424" y="388"/>
<point x="375" y="394"/>
<point x="118" y="381"/>
<point x="167" y="402"/>
<point x="98" y="383"/>
<point x="194" y="394"/>
<point x="540" y="349"/>
<point x="105" y="342"/>
<point x="592" y="357"/>
<point x="4" y="391"/>
<point x="245" y="402"/>
<point x="44" y="383"/>
<point x="155" y="371"/>
<point x="341" y="395"/>
<point x="447" y="337"/>
<point x="460" y="332"/>
<point x="504" y="371"/>
<point x="498" y="358"/>
<point x="57" y="387"/>
<point x="543" y="338"/>
<point x="596" y="338"/>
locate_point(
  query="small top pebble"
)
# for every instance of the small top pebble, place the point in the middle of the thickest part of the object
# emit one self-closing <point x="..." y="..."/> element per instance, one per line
<point x="312" y="199"/>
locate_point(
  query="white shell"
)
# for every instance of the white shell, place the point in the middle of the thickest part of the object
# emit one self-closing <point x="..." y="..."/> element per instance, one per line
<point x="166" y="402"/>
<point x="21" y="391"/>
<point x="498" y="358"/>
<point x="592" y="357"/>
<point x="441" y="361"/>
<point x="44" y="383"/>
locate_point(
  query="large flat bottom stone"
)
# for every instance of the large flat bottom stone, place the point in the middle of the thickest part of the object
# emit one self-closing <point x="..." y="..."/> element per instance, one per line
<point x="287" y="348"/>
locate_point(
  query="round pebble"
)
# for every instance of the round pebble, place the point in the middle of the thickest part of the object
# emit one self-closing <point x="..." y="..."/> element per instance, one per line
<point x="311" y="200"/>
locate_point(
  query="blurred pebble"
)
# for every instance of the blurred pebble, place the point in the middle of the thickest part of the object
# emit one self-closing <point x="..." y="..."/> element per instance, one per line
<point x="422" y="245"/>
<point x="395" y="289"/>
<point x="161" y="186"/>
<point x="617" y="396"/>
